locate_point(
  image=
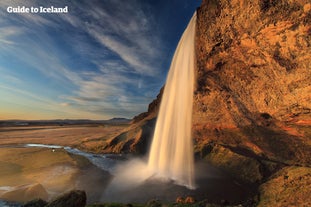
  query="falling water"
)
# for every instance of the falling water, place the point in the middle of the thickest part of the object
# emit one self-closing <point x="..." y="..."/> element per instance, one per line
<point x="171" y="154"/>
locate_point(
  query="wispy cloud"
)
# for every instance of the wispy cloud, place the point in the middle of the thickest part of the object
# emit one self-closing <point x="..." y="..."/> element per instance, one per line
<point x="101" y="59"/>
<point x="6" y="34"/>
<point x="124" y="29"/>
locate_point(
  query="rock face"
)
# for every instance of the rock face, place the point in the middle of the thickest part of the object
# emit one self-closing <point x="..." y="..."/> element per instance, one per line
<point x="137" y="137"/>
<point x="291" y="186"/>
<point x="253" y="77"/>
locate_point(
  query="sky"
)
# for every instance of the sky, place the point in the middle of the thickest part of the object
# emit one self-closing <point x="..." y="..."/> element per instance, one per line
<point x="102" y="59"/>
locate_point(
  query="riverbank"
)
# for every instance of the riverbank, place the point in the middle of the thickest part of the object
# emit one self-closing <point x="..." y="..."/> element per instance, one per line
<point x="42" y="171"/>
<point x="28" y="173"/>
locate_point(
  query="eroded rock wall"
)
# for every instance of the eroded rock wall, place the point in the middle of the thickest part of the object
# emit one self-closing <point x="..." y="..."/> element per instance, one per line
<point x="253" y="77"/>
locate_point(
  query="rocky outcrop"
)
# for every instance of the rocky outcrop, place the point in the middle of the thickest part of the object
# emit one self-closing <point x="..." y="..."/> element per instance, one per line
<point x="75" y="198"/>
<point x="153" y="109"/>
<point x="36" y="203"/>
<point x="25" y="193"/>
<point x="137" y="137"/>
<point x="134" y="139"/>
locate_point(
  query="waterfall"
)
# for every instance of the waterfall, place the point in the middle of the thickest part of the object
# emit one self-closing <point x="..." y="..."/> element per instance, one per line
<point x="171" y="154"/>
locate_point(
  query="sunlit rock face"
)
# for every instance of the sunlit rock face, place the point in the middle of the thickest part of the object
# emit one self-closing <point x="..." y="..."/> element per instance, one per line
<point x="253" y="77"/>
<point x="253" y="58"/>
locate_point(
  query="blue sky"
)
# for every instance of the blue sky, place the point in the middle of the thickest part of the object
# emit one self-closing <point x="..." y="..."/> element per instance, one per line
<point x="103" y="59"/>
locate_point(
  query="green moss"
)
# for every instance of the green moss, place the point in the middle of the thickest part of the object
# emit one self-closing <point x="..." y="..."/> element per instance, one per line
<point x="290" y="186"/>
<point x="241" y="167"/>
<point x="115" y="205"/>
<point x="198" y="204"/>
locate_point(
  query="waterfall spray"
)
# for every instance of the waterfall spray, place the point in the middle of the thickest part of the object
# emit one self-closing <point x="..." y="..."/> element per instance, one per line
<point x="171" y="153"/>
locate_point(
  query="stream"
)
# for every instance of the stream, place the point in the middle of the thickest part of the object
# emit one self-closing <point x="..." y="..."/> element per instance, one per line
<point x="106" y="162"/>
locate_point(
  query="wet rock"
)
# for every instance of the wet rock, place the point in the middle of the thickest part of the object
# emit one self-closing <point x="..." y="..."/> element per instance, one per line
<point x="153" y="203"/>
<point x="224" y="202"/>
<point x="180" y="199"/>
<point x="26" y="193"/>
<point x="75" y="198"/>
<point x="189" y="200"/>
<point x="243" y="168"/>
<point x="35" y="203"/>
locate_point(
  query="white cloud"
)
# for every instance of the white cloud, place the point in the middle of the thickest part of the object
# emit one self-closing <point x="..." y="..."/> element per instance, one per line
<point x="126" y="53"/>
<point x="124" y="29"/>
<point x="6" y="34"/>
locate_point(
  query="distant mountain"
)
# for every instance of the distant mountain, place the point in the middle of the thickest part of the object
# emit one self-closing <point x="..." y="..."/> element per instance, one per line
<point x="118" y="120"/>
<point x="62" y="122"/>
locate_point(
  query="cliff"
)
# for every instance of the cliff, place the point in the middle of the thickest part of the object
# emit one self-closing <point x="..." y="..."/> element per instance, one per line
<point x="252" y="100"/>
<point x="253" y="86"/>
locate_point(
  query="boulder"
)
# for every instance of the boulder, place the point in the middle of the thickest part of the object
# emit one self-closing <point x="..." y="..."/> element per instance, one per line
<point x="35" y="203"/>
<point x="75" y="198"/>
<point x="153" y="203"/>
<point x="26" y="193"/>
<point x="189" y="200"/>
<point x="179" y="199"/>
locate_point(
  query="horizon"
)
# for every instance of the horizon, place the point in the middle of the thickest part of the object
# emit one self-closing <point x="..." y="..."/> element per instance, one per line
<point x="98" y="61"/>
<point x="3" y="120"/>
